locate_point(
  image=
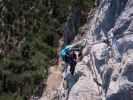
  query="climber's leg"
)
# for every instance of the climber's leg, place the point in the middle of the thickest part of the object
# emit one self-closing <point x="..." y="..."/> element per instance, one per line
<point x="72" y="67"/>
<point x="72" y="70"/>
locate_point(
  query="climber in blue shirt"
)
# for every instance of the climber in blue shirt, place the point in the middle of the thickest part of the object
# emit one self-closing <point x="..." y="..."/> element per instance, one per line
<point x="68" y="55"/>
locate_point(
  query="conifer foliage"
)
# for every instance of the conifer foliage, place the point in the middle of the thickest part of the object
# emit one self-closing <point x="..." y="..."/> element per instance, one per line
<point x="29" y="33"/>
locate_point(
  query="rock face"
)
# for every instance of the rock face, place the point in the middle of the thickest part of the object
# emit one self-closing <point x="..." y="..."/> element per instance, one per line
<point x="71" y="25"/>
<point x="107" y="67"/>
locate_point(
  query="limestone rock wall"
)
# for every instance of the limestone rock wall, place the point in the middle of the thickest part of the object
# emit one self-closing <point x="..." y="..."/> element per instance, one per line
<point x="106" y="69"/>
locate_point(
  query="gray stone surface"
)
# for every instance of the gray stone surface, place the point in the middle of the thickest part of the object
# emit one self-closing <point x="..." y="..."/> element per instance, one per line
<point x="106" y="69"/>
<point x="114" y="75"/>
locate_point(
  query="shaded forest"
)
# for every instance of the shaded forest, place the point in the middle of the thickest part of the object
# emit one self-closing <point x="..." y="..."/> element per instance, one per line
<point x="29" y="34"/>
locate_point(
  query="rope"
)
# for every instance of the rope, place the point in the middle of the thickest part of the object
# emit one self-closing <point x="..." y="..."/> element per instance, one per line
<point x="94" y="71"/>
<point x="92" y="62"/>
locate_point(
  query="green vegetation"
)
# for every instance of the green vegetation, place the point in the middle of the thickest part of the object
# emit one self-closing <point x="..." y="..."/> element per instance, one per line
<point x="29" y="34"/>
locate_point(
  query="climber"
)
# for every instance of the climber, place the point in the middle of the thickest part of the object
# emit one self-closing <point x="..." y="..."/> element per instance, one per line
<point x="68" y="54"/>
<point x="69" y="57"/>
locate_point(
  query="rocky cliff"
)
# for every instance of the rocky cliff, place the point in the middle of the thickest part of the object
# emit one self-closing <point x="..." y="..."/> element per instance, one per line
<point x="106" y="69"/>
<point x="107" y="66"/>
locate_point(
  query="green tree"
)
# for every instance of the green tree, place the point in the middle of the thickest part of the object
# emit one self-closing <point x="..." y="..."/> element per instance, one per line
<point x="29" y="34"/>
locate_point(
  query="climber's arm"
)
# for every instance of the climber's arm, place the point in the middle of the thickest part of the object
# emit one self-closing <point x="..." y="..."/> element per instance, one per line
<point x="75" y="49"/>
<point x="79" y="44"/>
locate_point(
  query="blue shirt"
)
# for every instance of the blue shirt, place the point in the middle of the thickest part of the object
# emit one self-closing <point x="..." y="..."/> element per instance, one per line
<point x="65" y="51"/>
